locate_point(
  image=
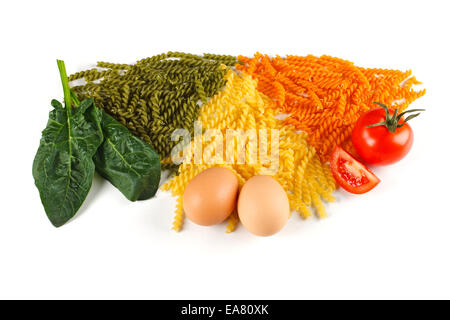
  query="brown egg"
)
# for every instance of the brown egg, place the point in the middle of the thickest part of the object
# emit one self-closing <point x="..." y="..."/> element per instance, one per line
<point x="211" y="196"/>
<point x="263" y="206"/>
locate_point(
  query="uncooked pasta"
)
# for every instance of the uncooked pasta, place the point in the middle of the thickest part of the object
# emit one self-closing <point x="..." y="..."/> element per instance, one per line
<point x="324" y="96"/>
<point x="156" y="95"/>
<point x="306" y="180"/>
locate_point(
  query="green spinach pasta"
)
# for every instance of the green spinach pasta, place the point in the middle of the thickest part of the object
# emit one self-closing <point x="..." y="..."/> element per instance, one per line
<point x="157" y="94"/>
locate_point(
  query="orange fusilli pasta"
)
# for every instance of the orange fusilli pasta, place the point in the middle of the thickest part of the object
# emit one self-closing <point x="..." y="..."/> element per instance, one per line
<point x="324" y="96"/>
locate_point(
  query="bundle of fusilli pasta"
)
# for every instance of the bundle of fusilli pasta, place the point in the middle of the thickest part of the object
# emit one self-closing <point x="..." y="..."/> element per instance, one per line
<point x="324" y="96"/>
<point x="156" y="95"/>
<point x="306" y="180"/>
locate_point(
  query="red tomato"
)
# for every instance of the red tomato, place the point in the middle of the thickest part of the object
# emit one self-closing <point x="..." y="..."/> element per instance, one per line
<point x="387" y="142"/>
<point x="351" y="174"/>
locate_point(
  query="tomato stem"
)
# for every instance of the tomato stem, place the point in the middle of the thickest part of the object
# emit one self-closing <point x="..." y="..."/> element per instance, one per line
<point x="392" y="122"/>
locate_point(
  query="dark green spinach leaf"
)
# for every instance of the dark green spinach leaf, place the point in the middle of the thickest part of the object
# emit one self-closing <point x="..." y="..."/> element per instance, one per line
<point x="63" y="167"/>
<point x="129" y="163"/>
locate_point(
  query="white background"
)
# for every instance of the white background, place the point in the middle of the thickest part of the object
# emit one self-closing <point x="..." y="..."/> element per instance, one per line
<point x="391" y="243"/>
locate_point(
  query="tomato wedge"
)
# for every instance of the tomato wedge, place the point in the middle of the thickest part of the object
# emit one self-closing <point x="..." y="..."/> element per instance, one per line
<point x="351" y="174"/>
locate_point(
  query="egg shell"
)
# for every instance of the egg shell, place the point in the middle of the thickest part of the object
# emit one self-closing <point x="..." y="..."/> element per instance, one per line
<point x="210" y="197"/>
<point x="263" y="206"/>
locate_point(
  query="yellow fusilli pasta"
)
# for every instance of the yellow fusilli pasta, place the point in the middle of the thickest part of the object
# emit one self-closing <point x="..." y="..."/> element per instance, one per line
<point x="240" y="106"/>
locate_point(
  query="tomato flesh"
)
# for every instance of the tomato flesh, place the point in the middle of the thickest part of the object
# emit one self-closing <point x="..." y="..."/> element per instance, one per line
<point x="351" y="174"/>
